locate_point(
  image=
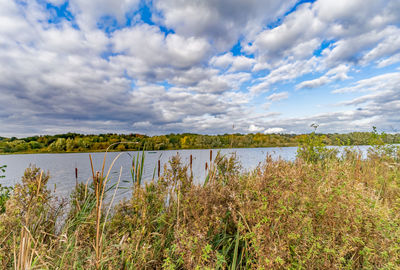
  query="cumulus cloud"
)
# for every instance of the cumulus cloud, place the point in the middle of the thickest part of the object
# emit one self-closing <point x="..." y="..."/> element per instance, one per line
<point x="147" y="54"/>
<point x="285" y="40"/>
<point x="65" y="77"/>
<point x="359" y="33"/>
<point x="89" y="13"/>
<point x="221" y="22"/>
<point x="101" y="68"/>
<point x="254" y="128"/>
<point x="274" y="130"/>
<point x="235" y="63"/>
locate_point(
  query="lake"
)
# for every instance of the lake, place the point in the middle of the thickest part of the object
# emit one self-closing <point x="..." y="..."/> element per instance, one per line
<point x="62" y="166"/>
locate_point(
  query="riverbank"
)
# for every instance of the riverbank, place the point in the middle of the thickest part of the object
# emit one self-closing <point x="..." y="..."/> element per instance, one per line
<point x="317" y="212"/>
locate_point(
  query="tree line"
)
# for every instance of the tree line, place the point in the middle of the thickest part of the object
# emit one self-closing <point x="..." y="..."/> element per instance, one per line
<point x="73" y="142"/>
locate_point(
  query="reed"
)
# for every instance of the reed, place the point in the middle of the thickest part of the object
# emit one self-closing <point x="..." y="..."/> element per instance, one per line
<point x="137" y="169"/>
<point x="99" y="183"/>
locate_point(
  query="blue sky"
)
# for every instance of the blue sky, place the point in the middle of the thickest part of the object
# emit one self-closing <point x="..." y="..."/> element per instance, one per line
<point x="208" y="67"/>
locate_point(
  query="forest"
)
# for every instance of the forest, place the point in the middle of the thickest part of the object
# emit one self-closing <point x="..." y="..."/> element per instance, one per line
<point x="73" y="142"/>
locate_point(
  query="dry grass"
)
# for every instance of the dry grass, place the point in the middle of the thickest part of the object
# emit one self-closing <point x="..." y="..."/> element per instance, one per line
<point x="324" y="213"/>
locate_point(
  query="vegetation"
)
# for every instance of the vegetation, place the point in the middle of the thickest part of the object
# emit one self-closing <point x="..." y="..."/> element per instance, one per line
<point x="321" y="211"/>
<point x="72" y="142"/>
<point x="4" y="191"/>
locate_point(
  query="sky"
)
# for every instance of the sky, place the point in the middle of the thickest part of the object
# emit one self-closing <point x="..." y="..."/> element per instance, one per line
<point x="200" y="66"/>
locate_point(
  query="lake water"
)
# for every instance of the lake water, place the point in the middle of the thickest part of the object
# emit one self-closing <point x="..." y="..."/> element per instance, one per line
<point x="62" y="166"/>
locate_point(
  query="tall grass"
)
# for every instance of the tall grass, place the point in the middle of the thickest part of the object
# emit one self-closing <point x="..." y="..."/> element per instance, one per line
<point x="321" y="211"/>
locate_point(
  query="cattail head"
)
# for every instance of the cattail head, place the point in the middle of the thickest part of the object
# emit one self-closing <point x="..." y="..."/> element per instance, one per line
<point x="159" y="168"/>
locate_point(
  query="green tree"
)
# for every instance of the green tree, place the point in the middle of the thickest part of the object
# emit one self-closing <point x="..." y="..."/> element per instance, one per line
<point x="58" y="145"/>
<point x="70" y="144"/>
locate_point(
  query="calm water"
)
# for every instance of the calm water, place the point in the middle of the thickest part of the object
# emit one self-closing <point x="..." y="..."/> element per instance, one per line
<point x="62" y="166"/>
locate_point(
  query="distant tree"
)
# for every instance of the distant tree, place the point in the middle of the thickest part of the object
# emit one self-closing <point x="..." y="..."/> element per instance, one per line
<point x="58" y="145"/>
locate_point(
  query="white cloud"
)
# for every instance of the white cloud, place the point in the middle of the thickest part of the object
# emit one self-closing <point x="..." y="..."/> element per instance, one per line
<point x="254" y="128"/>
<point x="363" y="48"/>
<point x="145" y="49"/>
<point x="274" y="130"/>
<point x="57" y="2"/>
<point x="389" y="45"/>
<point x="389" y="60"/>
<point x="260" y="87"/>
<point x="89" y="13"/>
<point x="314" y="83"/>
<point x="77" y="76"/>
<point x="278" y="96"/>
<point x="379" y="107"/>
<point x="376" y="83"/>
<point x="280" y="42"/>
<point x="236" y="63"/>
<point x="360" y="34"/>
<point x="337" y="73"/>
<point x="221" y="22"/>
<point x="285" y="72"/>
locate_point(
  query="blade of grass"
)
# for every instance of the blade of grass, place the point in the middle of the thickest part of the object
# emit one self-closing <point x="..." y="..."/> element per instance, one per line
<point x="235" y="254"/>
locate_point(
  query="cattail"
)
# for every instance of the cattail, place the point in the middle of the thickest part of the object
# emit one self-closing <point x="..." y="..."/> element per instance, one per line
<point x="206" y="166"/>
<point x="210" y="156"/>
<point x="191" y="166"/>
<point x="76" y="176"/>
<point x="97" y="183"/>
<point x="159" y="168"/>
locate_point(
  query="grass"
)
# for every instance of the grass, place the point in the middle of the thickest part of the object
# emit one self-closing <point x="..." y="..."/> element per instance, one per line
<point x="320" y="211"/>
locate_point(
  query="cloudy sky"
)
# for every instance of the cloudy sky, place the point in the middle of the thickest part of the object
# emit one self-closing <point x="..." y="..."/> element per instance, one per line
<point x="203" y="66"/>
